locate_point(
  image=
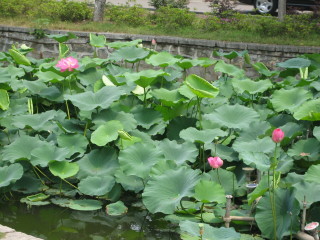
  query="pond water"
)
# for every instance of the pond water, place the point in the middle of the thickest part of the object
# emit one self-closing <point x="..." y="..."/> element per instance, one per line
<point x="56" y="223"/>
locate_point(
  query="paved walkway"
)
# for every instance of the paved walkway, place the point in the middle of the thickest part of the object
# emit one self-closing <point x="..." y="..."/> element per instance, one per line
<point x="194" y="5"/>
<point x="7" y="233"/>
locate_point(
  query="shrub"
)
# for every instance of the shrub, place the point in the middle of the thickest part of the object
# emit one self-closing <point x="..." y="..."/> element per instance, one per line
<point x="125" y="14"/>
<point x="169" y="3"/>
<point x="12" y="8"/>
<point x="58" y="10"/>
<point x="173" y="18"/>
<point x="222" y="8"/>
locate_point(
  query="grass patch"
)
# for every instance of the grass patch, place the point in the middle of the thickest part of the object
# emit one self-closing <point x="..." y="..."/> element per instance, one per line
<point x="2" y="235"/>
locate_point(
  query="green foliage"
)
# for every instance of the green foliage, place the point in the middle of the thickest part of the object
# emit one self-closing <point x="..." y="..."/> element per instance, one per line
<point x="169" y="3"/>
<point x="173" y="18"/>
<point x="64" y="10"/>
<point x="108" y="129"/>
<point x="129" y="15"/>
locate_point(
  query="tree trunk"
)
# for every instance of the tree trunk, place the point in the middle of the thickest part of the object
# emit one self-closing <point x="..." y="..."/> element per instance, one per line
<point x="99" y="10"/>
<point x="282" y="9"/>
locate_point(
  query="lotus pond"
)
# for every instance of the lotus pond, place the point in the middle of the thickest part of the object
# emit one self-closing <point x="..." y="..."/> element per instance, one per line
<point x="224" y="157"/>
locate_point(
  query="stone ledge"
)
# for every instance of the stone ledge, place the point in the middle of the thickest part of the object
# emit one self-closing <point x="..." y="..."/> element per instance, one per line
<point x="11" y="234"/>
<point x="172" y="40"/>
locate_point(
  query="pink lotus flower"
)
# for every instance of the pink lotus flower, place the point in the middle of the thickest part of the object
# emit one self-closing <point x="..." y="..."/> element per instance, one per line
<point x="277" y="135"/>
<point x="215" y="162"/>
<point x="311" y="226"/>
<point x="153" y="42"/>
<point x="68" y="63"/>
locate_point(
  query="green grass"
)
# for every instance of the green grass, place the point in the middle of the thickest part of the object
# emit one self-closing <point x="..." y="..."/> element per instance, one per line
<point x="187" y="32"/>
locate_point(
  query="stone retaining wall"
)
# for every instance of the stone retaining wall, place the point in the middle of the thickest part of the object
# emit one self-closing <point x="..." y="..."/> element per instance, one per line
<point x="10" y="234"/>
<point x="269" y="54"/>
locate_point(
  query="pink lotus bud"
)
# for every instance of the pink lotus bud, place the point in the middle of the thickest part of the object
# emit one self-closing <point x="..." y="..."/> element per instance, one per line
<point x="215" y="162"/>
<point x="68" y="63"/>
<point x="153" y="42"/>
<point x="277" y="135"/>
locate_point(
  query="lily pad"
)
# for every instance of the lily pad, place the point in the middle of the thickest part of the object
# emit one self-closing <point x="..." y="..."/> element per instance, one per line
<point x="208" y="191"/>
<point x="164" y="192"/>
<point x="116" y="209"/>
<point x="96" y="185"/>
<point x="80" y="205"/>
<point x="63" y="169"/>
<point x="10" y="174"/>
<point x="106" y="133"/>
<point x="201" y="87"/>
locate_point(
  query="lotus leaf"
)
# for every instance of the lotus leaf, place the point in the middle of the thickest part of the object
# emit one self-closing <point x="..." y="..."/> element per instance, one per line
<point x="96" y="185"/>
<point x="10" y="174"/>
<point x="63" y="169"/>
<point x="116" y="209"/>
<point x="201" y="87"/>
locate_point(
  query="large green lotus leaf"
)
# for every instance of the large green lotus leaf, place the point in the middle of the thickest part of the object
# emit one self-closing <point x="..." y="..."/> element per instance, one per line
<point x="257" y="160"/>
<point x="99" y="162"/>
<point x="63" y="169"/>
<point x="97" y="40"/>
<point x="159" y="128"/>
<point x="146" y="117"/>
<point x="36" y="121"/>
<point x="227" y="179"/>
<point x="188" y="63"/>
<point x="203" y="136"/>
<point x="264" y="145"/>
<point x="312" y="175"/>
<point x="316" y="132"/>
<point x="144" y="78"/>
<point x="290" y="99"/>
<point x="126" y="119"/>
<point x="76" y="143"/>
<point x="179" y="153"/>
<point x="49" y="76"/>
<point x="106" y="133"/>
<point x="191" y="231"/>
<point x="46" y="153"/>
<point x="164" y="192"/>
<point x="35" y="87"/>
<point x="224" y="152"/>
<point x="201" y="87"/>
<point x="162" y="59"/>
<point x="28" y="184"/>
<point x="130" y="54"/>
<point x="116" y="209"/>
<point x="129" y="183"/>
<point x="162" y="166"/>
<point x="62" y="37"/>
<point x="80" y="205"/>
<point x="250" y="237"/>
<point x="88" y="101"/>
<point x="233" y="116"/>
<point x="185" y="91"/>
<point x="96" y="185"/>
<point x="138" y="159"/>
<point x="307" y="190"/>
<point x="208" y="191"/>
<point x="168" y="97"/>
<point x="119" y="44"/>
<point x="21" y="148"/>
<point x="250" y="86"/>
<point x="206" y="62"/>
<point x="229" y="69"/>
<point x="90" y="76"/>
<point x="295" y="63"/>
<point x="309" y="111"/>
<point x="4" y="99"/>
<point x="253" y="131"/>
<point x="305" y="149"/>
<point x="287" y="209"/>
<point x="19" y="58"/>
<point x="10" y="174"/>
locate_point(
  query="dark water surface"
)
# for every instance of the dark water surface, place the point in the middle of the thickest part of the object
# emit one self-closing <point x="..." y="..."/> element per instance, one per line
<point x="56" y="223"/>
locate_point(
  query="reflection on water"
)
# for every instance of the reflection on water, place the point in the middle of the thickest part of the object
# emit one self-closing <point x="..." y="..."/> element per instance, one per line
<point x="56" y="223"/>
